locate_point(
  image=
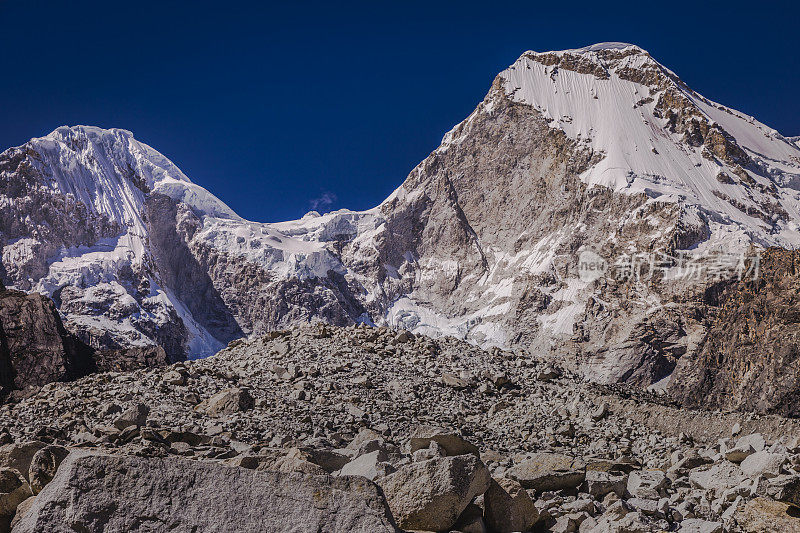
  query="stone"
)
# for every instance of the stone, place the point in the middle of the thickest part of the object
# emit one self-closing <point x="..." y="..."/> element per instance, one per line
<point x="762" y="515"/>
<point x="454" y="381"/>
<point x="763" y="463"/>
<point x="696" y="525"/>
<point x="370" y="465"/>
<point x="433" y="451"/>
<point x="745" y="446"/>
<point x="227" y="402"/>
<point x="293" y="463"/>
<point x="175" y="377"/>
<point x="13" y="491"/>
<point x="648" y="507"/>
<point x="599" y="483"/>
<point x="134" y="416"/>
<point x="471" y="520"/>
<point x="431" y="495"/>
<point x="43" y="467"/>
<point x="22" y="509"/>
<point x="784" y="488"/>
<point x="549" y="471"/>
<point x="363" y="437"/>
<point x="452" y="442"/>
<point x="718" y="477"/>
<point x="647" y="484"/>
<point x="568" y="523"/>
<point x="508" y="507"/>
<point x="329" y="460"/>
<point x="548" y="373"/>
<point x="19" y="456"/>
<point x="600" y="412"/>
<point x="37" y="349"/>
<point x="99" y="492"/>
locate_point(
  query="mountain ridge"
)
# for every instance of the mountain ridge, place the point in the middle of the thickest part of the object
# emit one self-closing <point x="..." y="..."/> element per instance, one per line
<point x="597" y="148"/>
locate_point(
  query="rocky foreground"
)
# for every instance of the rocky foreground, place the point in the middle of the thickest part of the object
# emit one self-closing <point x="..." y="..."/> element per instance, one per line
<point x="369" y="429"/>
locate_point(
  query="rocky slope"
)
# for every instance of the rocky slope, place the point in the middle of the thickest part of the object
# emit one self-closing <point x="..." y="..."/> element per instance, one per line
<point x="368" y="429"/>
<point x="600" y="150"/>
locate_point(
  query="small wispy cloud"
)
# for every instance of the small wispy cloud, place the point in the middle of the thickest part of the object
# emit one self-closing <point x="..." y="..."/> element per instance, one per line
<point x="325" y="200"/>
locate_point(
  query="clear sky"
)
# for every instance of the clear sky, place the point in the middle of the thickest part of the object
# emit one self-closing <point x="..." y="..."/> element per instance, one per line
<point x="278" y="107"/>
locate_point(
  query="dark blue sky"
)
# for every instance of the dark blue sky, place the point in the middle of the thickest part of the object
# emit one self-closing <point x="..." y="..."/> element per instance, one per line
<point x="273" y="106"/>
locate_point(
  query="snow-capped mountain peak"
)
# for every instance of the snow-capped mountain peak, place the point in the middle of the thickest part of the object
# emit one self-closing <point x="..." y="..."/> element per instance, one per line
<point x="658" y="136"/>
<point x="598" y="148"/>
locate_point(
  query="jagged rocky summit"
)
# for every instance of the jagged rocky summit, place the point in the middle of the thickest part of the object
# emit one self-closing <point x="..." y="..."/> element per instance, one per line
<point x="598" y="149"/>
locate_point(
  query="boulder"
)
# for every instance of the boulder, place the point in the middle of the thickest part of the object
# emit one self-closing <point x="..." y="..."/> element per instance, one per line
<point x="13" y="491"/>
<point x="763" y="463"/>
<point x="19" y="456"/>
<point x="36" y="348"/>
<point x="599" y="483"/>
<point x="96" y="493"/>
<point x="329" y="460"/>
<point x="44" y="465"/>
<point x="227" y="402"/>
<point x="549" y="471"/>
<point x="450" y="440"/>
<point x="294" y="463"/>
<point x="134" y="416"/>
<point x="431" y="495"/>
<point x="508" y="507"/>
<point x="782" y="488"/>
<point x="718" y="477"/>
<point x="763" y="515"/>
<point x="471" y="520"/>
<point x="745" y="446"/>
<point x="647" y="484"/>
<point x="696" y="525"/>
<point x="22" y="509"/>
<point x="370" y="465"/>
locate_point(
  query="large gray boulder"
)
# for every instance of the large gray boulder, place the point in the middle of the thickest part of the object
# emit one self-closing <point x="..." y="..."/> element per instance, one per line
<point x="452" y="442"/>
<point x="227" y="402"/>
<point x="19" y="455"/>
<point x="431" y="495"/>
<point x="508" y="507"/>
<point x="102" y="493"/>
<point x="719" y="477"/>
<point x="549" y="471"/>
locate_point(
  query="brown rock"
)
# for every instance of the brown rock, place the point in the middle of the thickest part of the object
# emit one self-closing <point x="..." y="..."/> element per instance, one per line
<point x="763" y="515"/>
<point x="44" y="465"/>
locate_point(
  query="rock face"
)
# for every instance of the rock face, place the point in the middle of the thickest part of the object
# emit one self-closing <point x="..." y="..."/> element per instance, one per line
<point x="749" y="357"/>
<point x="34" y="346"/>
<point x="112" y="493"/>
<point x="597" y="151"/>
